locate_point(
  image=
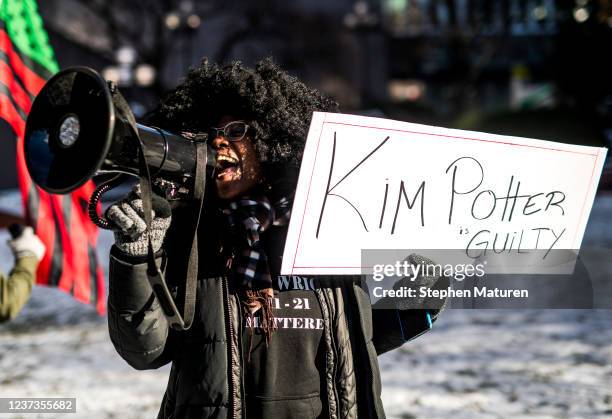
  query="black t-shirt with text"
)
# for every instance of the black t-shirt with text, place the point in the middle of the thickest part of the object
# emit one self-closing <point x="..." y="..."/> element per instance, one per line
<point x="285" y="379"/>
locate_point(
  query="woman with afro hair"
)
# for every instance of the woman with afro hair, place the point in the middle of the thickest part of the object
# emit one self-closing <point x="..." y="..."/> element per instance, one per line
<point x="261" y="344"/>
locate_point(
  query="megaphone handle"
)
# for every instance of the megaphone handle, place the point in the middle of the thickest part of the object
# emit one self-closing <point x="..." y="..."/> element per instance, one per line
<point x="92" y="207"/>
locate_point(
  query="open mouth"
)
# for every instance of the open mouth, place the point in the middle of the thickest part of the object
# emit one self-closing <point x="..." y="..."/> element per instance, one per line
<point x="228" y="167"/>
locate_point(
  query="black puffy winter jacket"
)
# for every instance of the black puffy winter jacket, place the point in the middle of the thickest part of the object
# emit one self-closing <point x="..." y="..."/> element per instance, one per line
<point x="205" y="379"/>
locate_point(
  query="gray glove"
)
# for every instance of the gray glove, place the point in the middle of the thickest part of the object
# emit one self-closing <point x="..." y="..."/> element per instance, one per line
<point x="27" y="244"/>
<point x="127" y="215"/>
<point x="429" y="281"/>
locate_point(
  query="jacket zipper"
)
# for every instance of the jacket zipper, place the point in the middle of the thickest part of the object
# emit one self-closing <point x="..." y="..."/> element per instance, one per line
<point x="231" y="385"/>
<point x="335" y="352"/>
<point x="365" y="355"/>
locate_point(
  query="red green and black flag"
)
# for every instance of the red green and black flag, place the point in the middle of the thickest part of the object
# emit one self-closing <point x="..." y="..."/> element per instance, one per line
<point x="61" y="221"/>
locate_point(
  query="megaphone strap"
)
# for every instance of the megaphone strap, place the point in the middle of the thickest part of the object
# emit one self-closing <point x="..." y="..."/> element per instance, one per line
<point x="193" y="264"/>
<point x="154" y="273"/>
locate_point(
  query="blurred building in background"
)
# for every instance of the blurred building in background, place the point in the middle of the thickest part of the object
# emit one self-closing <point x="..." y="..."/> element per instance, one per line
<point x="537" y="68"/>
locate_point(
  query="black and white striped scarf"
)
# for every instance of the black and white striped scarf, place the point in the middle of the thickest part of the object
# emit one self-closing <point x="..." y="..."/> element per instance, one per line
<point x="249" y="217"/>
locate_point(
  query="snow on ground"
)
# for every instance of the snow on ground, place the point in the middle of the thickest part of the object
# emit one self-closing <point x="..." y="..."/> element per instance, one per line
<point x="57" y="347"/>
<point x="502" y="364"/>
<point x="474" y="364"/>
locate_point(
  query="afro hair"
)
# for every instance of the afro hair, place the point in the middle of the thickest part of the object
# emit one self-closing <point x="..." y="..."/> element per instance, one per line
<point x="278" y="106"/>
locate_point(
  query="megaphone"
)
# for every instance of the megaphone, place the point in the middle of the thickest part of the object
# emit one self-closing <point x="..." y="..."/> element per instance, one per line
<point x="80" y="126"/>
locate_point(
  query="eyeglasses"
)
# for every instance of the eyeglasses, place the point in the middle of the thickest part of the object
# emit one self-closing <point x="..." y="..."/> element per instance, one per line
<point x="233" y="131"/>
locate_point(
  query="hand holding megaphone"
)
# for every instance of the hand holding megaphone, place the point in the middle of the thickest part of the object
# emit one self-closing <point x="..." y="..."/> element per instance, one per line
<point x="127" y="217"/>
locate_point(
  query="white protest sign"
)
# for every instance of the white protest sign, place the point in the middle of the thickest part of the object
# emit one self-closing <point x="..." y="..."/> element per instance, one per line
<point x="371" y="183"/>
